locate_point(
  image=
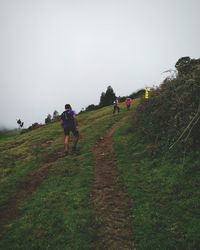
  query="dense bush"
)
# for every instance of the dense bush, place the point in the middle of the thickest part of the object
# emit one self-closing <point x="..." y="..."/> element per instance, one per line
<point x="92" y="107"/>
<point x="137" y="94"/>
<point x="170" y="118"/>
<point x="134" y="95"/>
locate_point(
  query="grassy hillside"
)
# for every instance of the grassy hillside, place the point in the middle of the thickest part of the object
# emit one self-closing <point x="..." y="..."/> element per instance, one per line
<point x="159" y="159"/>
<point x="50" y="193"/>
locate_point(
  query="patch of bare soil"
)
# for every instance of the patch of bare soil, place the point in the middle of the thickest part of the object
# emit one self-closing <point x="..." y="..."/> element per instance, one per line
<point x="47" y="142"/>
<point x="53" y="156"/>
<point x="29" y="185"/>
<point x="110" y="201"/>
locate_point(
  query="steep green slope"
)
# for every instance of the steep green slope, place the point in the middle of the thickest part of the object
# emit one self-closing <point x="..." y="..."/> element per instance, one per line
<point x="165" y="192"/>
<point x="50" y="194"/>
<point x="158" y="154"/>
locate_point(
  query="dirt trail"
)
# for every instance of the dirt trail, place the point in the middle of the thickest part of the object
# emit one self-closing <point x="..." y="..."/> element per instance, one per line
<point x="30" y="184"/>
<point x="110" y="200"/>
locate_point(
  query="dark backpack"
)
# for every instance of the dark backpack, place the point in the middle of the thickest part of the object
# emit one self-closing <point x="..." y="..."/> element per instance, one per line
<point x="67" y="117"/>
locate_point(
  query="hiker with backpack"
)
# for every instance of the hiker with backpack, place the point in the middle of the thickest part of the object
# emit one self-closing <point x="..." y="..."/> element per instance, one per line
<point x="69" y="124"/>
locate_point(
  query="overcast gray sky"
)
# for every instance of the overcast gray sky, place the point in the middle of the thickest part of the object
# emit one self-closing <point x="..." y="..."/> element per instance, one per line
<point x="54" y="52"/>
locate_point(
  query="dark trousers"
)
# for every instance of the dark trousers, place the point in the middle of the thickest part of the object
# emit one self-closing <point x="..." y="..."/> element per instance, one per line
<point x="116" y="109"/>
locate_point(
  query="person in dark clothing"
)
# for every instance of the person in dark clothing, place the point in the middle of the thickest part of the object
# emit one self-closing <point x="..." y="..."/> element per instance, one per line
<point x="115" y="106"/>
<point x="69" y="124"/>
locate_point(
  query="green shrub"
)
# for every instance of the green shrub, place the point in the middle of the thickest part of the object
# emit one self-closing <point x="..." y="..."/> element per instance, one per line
<point x="170" y="118"/>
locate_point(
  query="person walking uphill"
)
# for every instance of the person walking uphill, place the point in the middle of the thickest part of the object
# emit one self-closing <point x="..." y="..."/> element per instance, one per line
<point x="69" y="124"/>
<point x="128" y="103"/>
<point x="115" y="106"/>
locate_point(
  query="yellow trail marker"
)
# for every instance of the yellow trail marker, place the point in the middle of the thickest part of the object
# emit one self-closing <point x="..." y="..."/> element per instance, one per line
<point x="146" y="93"/>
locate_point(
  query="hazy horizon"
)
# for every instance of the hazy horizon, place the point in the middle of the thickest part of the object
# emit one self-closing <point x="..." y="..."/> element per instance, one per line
<point x="56" y="52"/>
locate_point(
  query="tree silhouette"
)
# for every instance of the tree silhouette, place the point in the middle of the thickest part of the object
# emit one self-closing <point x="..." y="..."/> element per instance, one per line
<point x="107" y="98"/>
<point x="48" y="119"/>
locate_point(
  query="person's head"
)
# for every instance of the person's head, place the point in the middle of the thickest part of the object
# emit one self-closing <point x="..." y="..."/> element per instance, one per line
<point x="68" y="106"/>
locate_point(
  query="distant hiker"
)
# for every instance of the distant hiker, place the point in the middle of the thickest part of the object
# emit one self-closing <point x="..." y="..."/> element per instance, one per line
<point x="128" y="103"/>
<point x="115" y="106"/>
<point x="69" y="124"/>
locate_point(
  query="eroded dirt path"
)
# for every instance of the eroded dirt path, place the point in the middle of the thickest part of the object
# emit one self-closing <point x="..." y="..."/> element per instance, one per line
<point x="110" y="201"/>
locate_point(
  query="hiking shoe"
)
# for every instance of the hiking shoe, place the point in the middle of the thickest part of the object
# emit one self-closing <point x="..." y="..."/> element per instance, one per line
<point x="66" y="153"/>
<point x="75" y="151"/>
